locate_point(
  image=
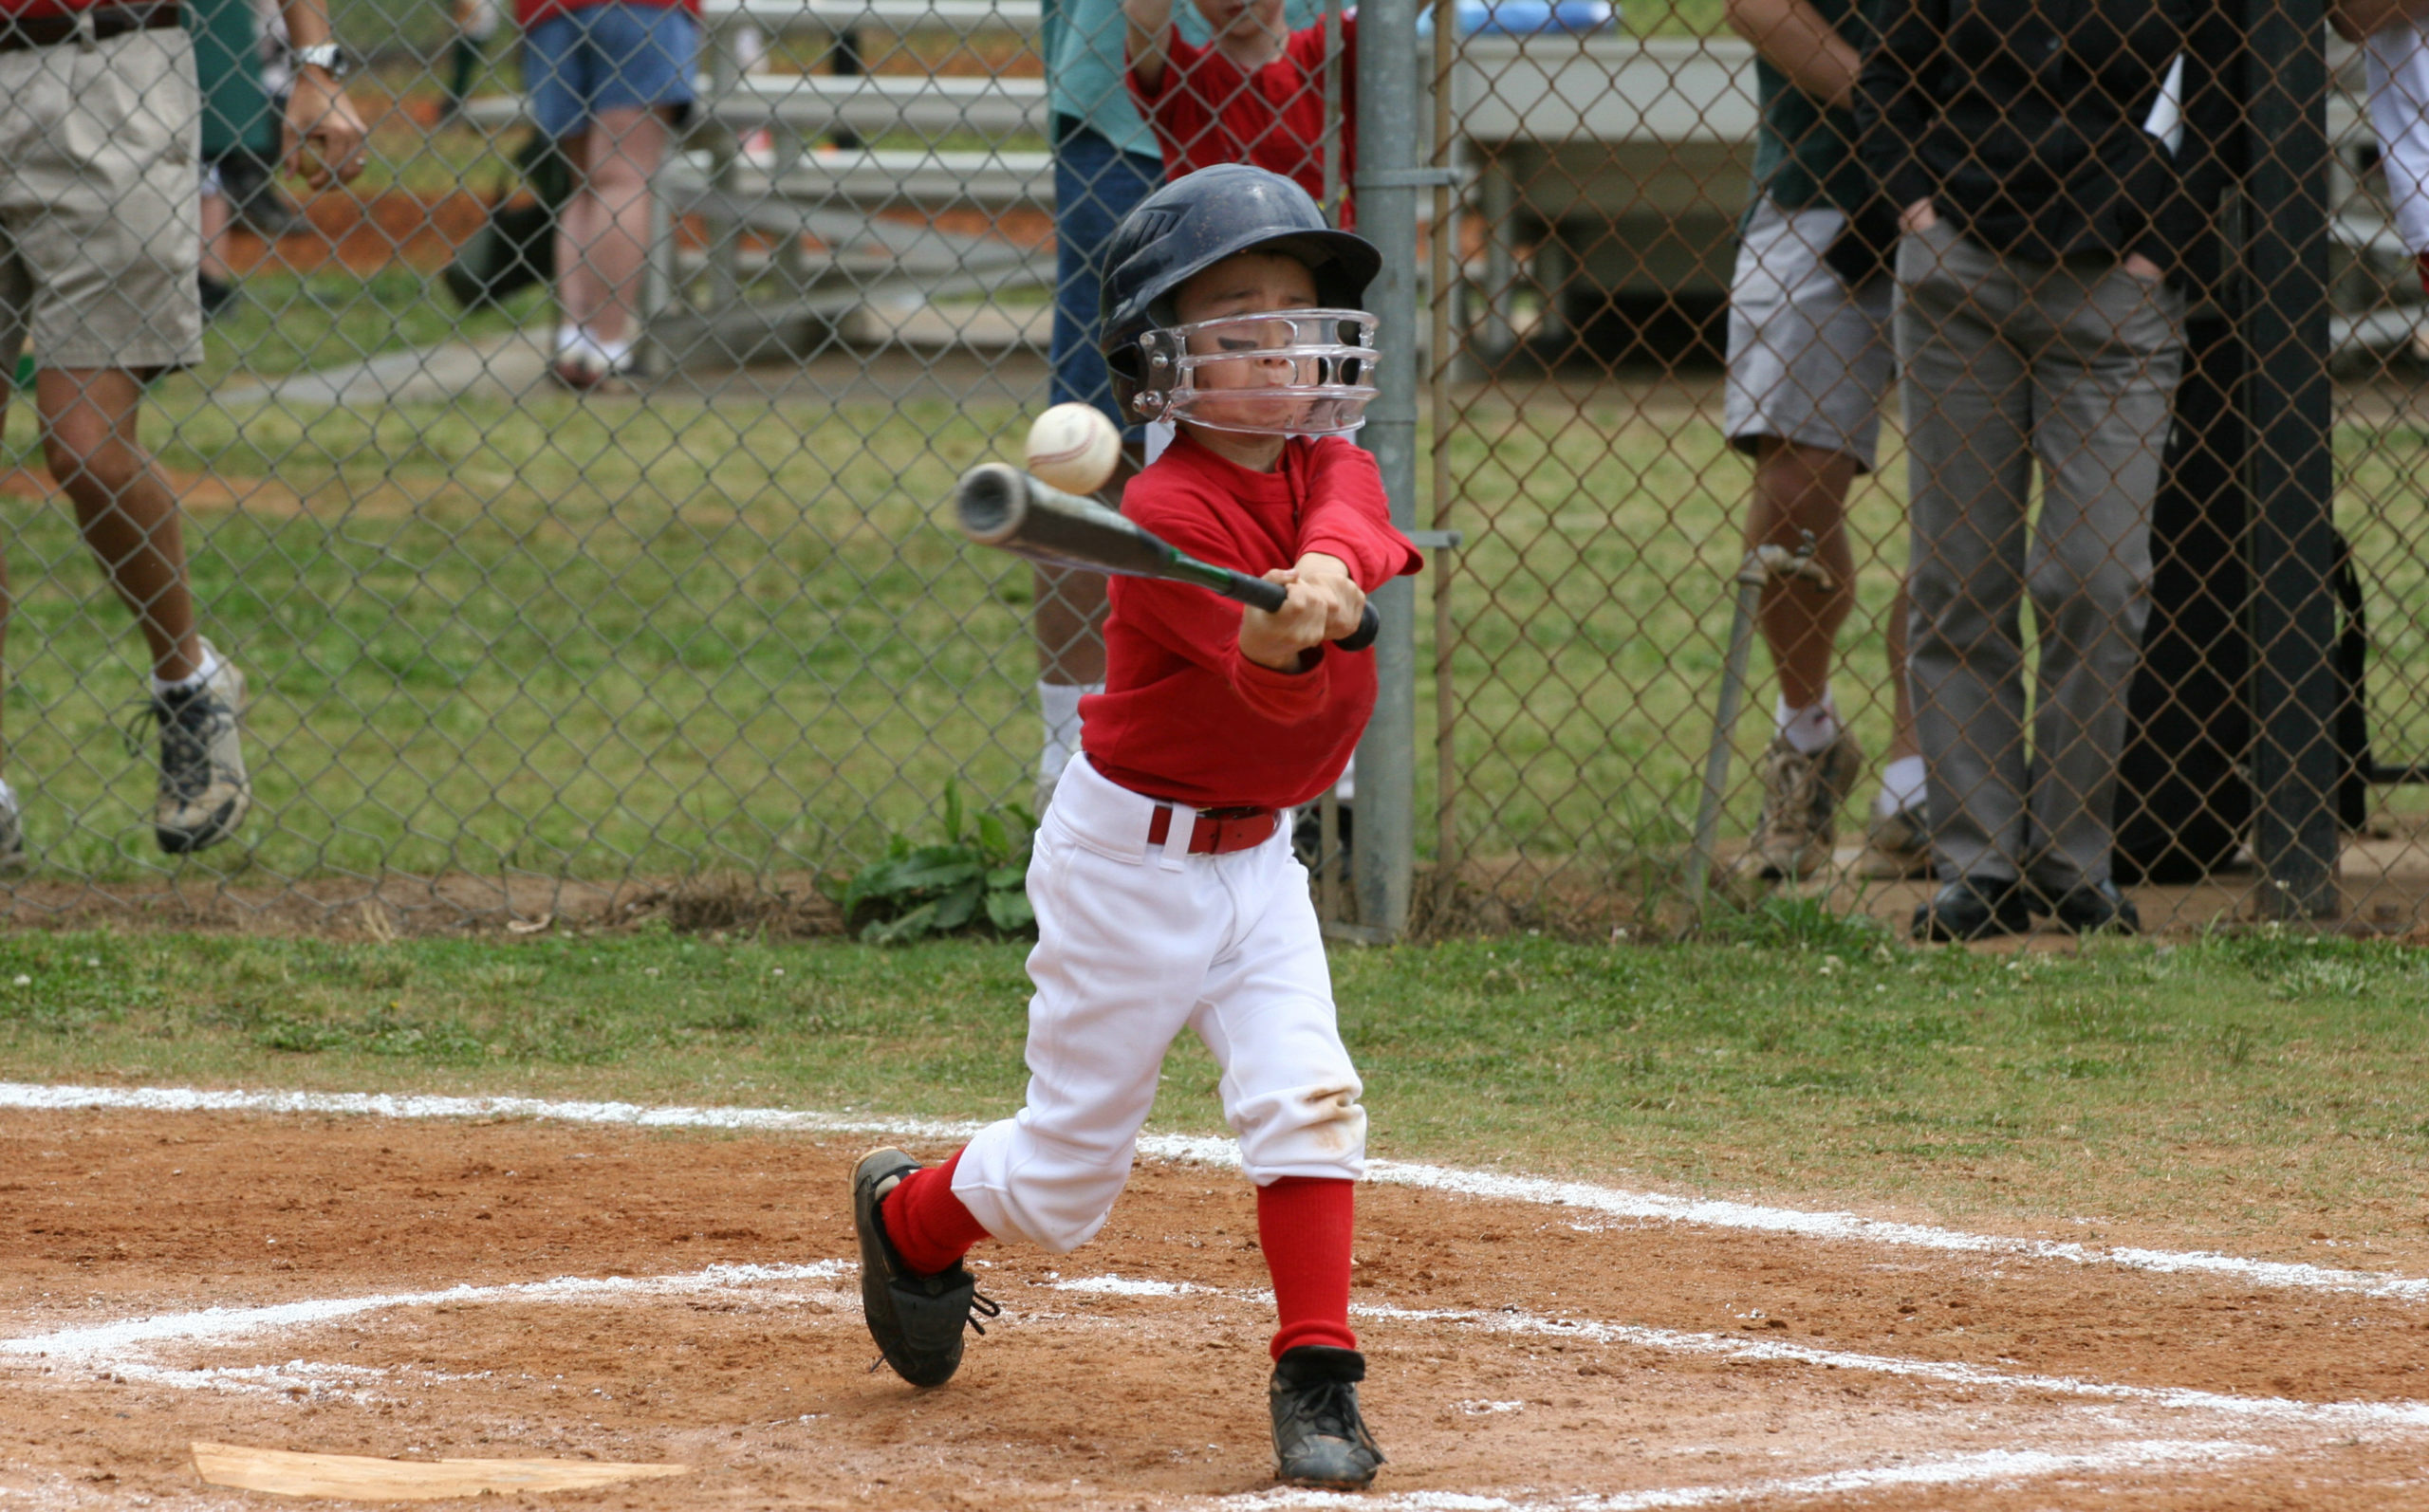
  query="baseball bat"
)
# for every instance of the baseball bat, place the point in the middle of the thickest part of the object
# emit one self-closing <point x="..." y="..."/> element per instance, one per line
<point x="1003" y="507"/>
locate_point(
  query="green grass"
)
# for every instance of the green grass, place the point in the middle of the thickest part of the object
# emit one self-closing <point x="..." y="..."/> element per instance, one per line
<point x="597" y="638"/>
<point x="556" y="636"/>
<point x="2228" y="1087"/>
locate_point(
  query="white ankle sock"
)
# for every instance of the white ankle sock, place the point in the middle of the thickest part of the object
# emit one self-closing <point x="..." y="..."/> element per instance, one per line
<point x="204" y="666"/>
<point x="1059" y="703"/>
<point x="1902" y="786"/>
<point x="1809" y="730"/>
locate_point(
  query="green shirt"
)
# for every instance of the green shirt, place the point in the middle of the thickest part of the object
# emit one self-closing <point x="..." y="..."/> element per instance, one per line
<point x="227" y="66"/>
<point x="1803" y="151"/>
<point x="1085" y="73"/>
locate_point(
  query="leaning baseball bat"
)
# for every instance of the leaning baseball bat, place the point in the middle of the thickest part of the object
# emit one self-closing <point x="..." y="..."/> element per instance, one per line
<point x="1005" y="508"/>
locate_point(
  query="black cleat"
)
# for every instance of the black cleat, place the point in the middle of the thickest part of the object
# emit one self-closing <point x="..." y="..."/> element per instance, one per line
<point x="1973" y="907"/>
<point x="2090" y="908"/>
<point x="915" y="1319"/>
<point x="1319" y="1439"/>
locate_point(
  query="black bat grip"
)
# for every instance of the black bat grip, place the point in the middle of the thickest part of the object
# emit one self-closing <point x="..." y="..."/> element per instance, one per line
<point x="1258" y="594"/>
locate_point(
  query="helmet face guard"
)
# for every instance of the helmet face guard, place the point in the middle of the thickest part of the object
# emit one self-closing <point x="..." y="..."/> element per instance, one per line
<point x="1189" y="226"/>
<point x="1302" y="372"/>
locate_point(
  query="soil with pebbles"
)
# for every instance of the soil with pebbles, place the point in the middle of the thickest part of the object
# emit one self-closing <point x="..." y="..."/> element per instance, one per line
<point x="1523" y="1354"/>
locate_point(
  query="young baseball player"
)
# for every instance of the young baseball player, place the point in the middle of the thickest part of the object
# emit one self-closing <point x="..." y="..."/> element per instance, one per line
<point x="1166" y="893"/>
<point x="1253" y="94"/>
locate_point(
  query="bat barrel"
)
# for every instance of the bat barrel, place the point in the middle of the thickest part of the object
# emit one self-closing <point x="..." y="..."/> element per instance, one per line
<point x="991" y="503"/>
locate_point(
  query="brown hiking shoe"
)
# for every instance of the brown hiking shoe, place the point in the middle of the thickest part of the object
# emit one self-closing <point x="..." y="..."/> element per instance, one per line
<point x="1800" y="798"/>
<point x="1898" y="847"/>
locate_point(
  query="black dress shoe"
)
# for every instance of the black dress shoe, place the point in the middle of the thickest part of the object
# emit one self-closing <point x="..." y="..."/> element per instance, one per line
<point x="2091" y="907"/>
<point x="1973" y="907"/>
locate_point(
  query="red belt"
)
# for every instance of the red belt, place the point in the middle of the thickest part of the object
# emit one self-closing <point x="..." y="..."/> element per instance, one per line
<point x="17" y="33"/>
<point x="1218" y="831"/>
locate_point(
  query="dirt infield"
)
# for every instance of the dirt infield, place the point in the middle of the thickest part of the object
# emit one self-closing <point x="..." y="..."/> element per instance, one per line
<point x="524" y="1288"/>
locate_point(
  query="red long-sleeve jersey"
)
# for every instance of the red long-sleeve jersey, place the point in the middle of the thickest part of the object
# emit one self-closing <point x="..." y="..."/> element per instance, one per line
<point x="1184" y="715"/>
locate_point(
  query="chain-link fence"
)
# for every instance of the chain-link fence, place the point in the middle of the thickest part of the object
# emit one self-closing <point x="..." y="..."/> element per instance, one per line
<point x="1672" y="337"/>
<point x="566" y="487"/>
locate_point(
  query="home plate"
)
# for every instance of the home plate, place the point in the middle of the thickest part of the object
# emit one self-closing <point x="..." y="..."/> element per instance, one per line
<point x="360" y="1478"/>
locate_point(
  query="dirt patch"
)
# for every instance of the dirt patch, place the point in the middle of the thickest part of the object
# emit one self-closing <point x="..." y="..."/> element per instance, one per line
<point x="690" y="1298"/>
<point x="366" y="234"/>
<point x="785" y="906"/>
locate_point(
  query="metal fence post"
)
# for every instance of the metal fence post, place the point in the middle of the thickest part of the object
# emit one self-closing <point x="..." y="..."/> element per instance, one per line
<point x="1386" y="184"/>
<point x="2289" y="471"/>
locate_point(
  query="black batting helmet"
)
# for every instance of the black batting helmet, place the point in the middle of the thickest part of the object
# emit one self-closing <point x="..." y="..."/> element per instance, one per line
<point x="1192" y="224"/>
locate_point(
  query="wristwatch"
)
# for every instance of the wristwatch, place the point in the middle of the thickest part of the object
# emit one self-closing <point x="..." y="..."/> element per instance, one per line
<point x="327" y="55"/>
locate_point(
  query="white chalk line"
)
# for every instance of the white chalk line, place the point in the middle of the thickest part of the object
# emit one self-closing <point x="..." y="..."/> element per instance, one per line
<point x="1995" y="1466"/>
<point x="1610" y="1202"/>
<point x="108" y="1348"/>
<point x="2347" y="1416"/>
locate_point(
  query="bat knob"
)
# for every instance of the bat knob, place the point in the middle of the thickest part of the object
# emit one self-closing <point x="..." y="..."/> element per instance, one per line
<point x="1370" y="625"/>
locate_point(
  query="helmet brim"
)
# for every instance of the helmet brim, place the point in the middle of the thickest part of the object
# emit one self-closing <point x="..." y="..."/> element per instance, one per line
<point x="1343" y="262"/>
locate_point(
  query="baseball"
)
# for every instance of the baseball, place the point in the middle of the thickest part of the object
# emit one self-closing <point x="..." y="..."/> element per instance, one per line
<point x="1074" y="448"/>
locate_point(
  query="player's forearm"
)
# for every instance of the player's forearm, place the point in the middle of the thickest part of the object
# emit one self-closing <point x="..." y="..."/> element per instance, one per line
<point x="1147" y="27"/>
<point x="1348" y="516"/>
<point x="1792" y="36"/>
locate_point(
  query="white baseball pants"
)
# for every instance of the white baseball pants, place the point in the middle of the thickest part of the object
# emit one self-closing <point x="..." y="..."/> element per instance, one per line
<point x="1133" y="944"/>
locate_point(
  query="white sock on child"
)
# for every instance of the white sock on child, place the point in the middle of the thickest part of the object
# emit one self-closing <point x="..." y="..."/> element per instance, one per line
<point x="1809" y="730"/>
<point x="1902" y="787"/>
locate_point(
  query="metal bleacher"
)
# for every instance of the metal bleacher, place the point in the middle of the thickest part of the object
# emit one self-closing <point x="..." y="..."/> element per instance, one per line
<point x="818" y="236"/>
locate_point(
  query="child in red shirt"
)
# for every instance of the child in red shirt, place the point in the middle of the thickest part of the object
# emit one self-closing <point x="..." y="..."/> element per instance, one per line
<point x="1166" y="893"/>
<point x="1256" y="93"/>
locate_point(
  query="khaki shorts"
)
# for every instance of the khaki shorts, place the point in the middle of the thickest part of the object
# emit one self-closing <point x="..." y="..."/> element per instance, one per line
<point x="1808" y="359"/>
<point x="100" y="207"/>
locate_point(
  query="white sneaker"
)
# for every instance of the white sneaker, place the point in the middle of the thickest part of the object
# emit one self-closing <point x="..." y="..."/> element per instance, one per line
<point x="204" y="792"/>
<point x="12" y="834"/>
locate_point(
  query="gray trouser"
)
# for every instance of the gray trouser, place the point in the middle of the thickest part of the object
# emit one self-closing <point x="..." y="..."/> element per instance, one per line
<point x="2074" y="363"/>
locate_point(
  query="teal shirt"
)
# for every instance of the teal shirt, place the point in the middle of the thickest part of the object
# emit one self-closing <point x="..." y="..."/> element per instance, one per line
<point x="1081" y="45"/>
<point x="1804" y="153"/>
<point x="227" y="66"/>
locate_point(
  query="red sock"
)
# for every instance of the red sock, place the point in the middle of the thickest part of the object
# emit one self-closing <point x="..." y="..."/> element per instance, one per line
<point x="930" y="1227"/>
<point x="1304" y="1224"/>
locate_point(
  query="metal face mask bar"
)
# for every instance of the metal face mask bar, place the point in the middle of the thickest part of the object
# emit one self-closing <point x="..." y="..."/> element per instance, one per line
<point x="1283" y="372"/>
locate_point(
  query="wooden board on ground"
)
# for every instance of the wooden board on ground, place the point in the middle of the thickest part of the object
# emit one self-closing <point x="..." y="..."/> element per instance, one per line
<point x="360" y="1478"/>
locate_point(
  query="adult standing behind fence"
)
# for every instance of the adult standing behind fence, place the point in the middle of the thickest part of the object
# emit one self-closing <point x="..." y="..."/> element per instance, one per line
<point x="1808" y="365"/>
<point x="606" y="80"/>
<point x="2042" y="215"/>
<point x="99" y="240"/>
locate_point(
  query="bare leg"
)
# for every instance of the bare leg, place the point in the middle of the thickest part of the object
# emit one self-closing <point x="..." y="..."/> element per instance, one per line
<point x="603" y="236"/>
<point x="1800" y="489"/>
<point x="216" y="216"/>
<point x="1901" y="735"/>
<point x="129" y="517"/>
<point x="1066" y="617"/>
